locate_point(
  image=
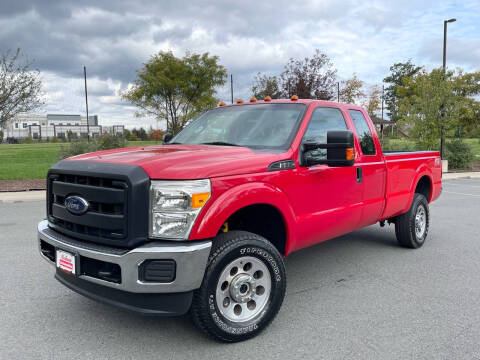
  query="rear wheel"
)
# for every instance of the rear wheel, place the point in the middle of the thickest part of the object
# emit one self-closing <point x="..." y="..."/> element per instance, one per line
<point x="243" y="287"/>
<point x="411" y="228"/>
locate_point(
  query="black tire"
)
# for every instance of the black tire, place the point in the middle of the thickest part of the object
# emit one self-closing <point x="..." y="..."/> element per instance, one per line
<point x="406" y="224"/>
<point x="228" y="248"/>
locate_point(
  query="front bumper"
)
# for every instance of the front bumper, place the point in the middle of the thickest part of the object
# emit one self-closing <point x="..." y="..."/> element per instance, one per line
<point x="190" y="258"/>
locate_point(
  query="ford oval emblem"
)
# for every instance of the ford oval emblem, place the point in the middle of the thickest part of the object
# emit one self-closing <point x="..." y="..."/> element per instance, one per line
<point x="76" y="205"/>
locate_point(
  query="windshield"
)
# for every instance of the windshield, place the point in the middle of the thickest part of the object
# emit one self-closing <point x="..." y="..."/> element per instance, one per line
<point x="257" y="126"/>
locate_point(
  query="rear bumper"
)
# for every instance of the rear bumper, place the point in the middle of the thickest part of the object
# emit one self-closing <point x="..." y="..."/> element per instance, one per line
<point x="131" y="292"/>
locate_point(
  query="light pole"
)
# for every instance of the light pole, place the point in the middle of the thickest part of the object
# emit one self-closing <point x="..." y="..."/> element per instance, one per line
<point x="86" y="102"/>
<point x="445" y="22"/>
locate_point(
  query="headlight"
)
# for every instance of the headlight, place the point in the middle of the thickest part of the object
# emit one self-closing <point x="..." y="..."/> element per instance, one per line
<point x="175" y="205"/>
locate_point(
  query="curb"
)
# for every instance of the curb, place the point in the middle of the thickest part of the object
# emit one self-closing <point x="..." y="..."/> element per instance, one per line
<point x="464" y="175"/>
<point x="22" y="196"/>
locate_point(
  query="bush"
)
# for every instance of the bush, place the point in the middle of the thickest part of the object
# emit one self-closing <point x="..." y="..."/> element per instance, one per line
<point x="133" y="137"/>
<point x="459" y="154"/>
<point x="77" y="147"/>
<point x="1" y="136"/>
<point x="105" y="142"/>
<point x="27" y="140"/>
<point x="157" y="135"/>
<point x="54" y="140"/>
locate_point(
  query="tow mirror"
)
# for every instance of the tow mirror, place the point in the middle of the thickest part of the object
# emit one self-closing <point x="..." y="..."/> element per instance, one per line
<point x="167" y="137"/>
<point x="340" y="150"/>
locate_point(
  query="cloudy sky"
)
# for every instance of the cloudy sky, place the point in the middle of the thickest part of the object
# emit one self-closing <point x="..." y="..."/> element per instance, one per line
<point x="113" y="38"/>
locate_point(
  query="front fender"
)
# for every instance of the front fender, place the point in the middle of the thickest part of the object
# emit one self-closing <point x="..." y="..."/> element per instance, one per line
<point x="222" y="207"/>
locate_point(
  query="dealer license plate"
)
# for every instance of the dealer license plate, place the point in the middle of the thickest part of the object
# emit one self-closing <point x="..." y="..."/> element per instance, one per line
<point x="66" y="261"/>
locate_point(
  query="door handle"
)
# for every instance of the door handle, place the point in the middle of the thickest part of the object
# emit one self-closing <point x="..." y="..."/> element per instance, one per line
<point x="359" y="175"/>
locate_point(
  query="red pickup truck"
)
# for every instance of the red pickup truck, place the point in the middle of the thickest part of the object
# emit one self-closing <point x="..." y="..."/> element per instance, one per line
<point x="203" y="222"/>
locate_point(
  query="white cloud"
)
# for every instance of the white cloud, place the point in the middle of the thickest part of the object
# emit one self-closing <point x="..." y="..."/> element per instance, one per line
<point x="113" y="39"/>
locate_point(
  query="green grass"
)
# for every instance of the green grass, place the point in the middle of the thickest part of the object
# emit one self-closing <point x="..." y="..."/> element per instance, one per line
<point x="32" y="161"/>
<point x="407" y="144"/>
<point x="475" y="145"/>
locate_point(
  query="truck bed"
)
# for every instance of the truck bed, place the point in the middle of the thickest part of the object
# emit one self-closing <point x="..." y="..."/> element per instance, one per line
<point x="404" y="171"/>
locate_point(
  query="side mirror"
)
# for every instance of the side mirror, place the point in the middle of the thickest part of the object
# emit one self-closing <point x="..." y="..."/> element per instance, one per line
<point x="167" y="137"/>
<point x="339" y="146"/>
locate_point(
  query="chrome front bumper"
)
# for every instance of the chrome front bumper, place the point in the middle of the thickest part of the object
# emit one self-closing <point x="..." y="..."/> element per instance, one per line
<point x="190" y="257"/>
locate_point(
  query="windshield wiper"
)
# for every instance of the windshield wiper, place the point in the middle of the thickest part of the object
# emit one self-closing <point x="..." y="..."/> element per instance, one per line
<point x="219" y="143"/>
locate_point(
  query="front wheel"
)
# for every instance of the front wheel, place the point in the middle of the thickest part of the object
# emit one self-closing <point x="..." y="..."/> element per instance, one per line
<point x="411" y="228"/>
<point x="243" y="287"/>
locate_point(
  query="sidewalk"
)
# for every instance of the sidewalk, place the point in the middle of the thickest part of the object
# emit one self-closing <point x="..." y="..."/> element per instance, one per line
<point x="461" y="175"/>
<point x="23" y="196"/>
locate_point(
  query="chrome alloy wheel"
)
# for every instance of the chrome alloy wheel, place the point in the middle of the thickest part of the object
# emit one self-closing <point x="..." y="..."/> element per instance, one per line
<point x="420" y="221"/>
<point x="243" y="289"/>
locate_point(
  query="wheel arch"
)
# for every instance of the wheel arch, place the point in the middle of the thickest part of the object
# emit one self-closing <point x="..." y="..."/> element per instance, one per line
<point x="250" y="201"/>
<point x="423" y="178"/>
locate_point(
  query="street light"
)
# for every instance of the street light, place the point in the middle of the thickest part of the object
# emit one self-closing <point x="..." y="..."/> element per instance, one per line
<point x="445" y="22"/>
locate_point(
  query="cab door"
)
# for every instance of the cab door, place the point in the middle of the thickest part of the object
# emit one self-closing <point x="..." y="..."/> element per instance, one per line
<point x="326" y="199"/>
<point x="370" y="167"/>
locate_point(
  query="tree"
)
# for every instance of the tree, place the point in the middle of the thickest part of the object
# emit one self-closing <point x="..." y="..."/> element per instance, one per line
<point x="467" y="85"/>
<point x="373" y="100"/>
<point x="310" y="78"/>
<point x="176" y="89"/>
<point x="20" y="87"/>
<point x="431" y="104"/>
<point x="264" y="85"/>
<point x="140" y="134"/>
<point x="398" y="72"/>
<point x="126" y="133"/>
<point x="351" y="90"/>
<point x="157" y="135"/>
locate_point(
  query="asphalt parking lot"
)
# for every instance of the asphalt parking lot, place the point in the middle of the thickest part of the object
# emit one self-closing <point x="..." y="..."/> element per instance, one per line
<point x="358" y="296"/>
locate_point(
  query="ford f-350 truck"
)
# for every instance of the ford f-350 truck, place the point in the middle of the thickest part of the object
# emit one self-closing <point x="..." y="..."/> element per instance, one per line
<point x="203" y="222"/>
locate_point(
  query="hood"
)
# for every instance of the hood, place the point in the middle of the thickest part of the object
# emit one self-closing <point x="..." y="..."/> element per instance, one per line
<point x="188" y="161"/>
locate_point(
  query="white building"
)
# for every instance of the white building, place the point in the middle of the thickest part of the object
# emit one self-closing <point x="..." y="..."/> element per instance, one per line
<point x="59" y="125"/>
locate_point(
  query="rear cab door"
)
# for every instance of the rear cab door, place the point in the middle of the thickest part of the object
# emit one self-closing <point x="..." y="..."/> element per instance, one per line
<point x="369" y="166"/>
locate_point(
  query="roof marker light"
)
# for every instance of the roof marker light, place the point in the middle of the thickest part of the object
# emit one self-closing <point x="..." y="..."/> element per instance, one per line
<point x="253" y="99"/>
<point x="222" y="103"/>
<point x="267" y="98"/>
<point x="239" y="101"/>
<point x="294" y="97"/>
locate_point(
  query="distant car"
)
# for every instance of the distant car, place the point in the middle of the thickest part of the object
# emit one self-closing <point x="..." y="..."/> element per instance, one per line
<point x="203" y="222"/>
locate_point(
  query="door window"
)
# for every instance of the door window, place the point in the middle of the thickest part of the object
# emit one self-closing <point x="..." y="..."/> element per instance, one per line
<point x="323" y="120"/>
<point x="363" y="132"/>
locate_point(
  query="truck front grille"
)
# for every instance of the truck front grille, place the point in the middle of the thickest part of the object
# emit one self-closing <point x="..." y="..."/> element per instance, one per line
<point x="117" y="196"/>
<point x="106" y="217"/>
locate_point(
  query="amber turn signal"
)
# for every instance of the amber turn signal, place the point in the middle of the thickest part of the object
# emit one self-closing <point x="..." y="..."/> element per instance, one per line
<point x="294" y="97"/>
<point x="349" y="154"/>
<point x="253" y="99"/>
<point x="198" y="200"/>
<point x="222" y="103"/>
<point x="239" y="101"/>
<point x="267" y="98"/>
